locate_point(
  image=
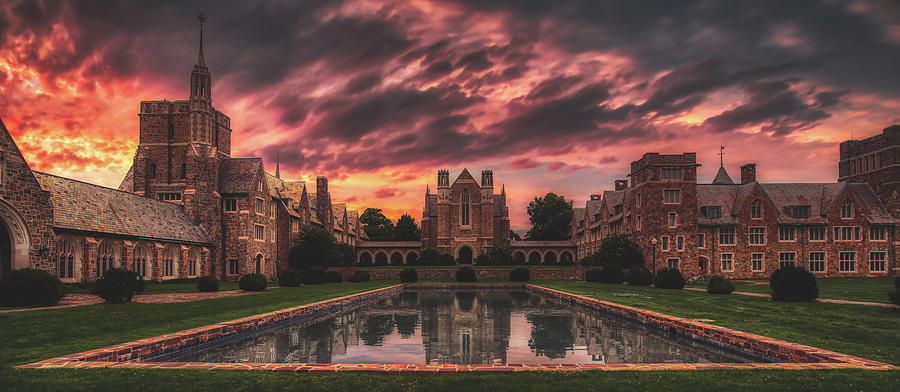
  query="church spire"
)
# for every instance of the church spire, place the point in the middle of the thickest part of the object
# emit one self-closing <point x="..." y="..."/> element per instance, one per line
<point x="202" y="19"/>
<point x="277" y="166"/>
<point x="201" y="82"/>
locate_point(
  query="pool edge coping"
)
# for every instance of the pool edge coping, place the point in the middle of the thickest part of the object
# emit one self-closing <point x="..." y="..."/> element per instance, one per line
<point x="797" y="356"/>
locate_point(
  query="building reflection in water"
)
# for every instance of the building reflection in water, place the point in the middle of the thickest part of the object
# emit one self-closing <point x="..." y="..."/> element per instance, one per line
<point x="465" y="327"/>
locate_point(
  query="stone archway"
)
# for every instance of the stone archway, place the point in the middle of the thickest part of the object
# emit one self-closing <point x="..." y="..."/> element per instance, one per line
<point x="465" y="255"/>
<point x="534" y="258"/>
<point x="365" y="258"/>
<point x="519" y="257"/>
<point x="15" y="240"/>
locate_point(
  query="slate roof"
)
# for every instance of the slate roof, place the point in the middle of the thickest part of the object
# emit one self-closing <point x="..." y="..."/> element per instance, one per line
<point x="127" y="184"/>
<point x="236" y="175"/>
<point x="722" y="177"/>
<point x="723" y="197"/>
<point x="92" y="208"/>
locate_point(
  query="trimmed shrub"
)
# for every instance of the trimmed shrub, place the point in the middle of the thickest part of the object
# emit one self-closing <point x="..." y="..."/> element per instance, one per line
<point x="638" y="276"/>
<point x="719" y="285"/>
<point x="429" y="256"/>
<point x="334" y="277"/>
<point x="895" y="295"/>
<point x="207" y="284"/>
<point x="253" y="282"/>
<point x="792" y="283"/>
<point x="290" y="278"/>
<point x="30" y="287"/>
<point x="519" y="274"/>
<point x="501" y="255"/>
<point x="360" y="276"/>
<point x="612" y="273"/>
<point x="483" y="259"/>
<point x="315" y="275"/>
<point x="117" y="285"/>
<point x="465" y="274"/>
<point x="669" y="279"/>
<point x="409" y="275"/>
<point x="593" y="275"/>
<point x="446" y="259"/>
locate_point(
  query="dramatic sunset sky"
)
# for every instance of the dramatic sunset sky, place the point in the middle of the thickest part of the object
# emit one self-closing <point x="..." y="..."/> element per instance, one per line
<point x="552" y="95"/>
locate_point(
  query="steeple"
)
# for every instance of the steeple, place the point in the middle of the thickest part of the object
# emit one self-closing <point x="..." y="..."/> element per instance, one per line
<point x="200" y="78"/>
<point x="277" y="166"/>
<point x="722" y="177"/>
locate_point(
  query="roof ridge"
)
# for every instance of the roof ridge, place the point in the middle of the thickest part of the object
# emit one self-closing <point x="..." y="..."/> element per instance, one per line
<point x="99" y="186"/>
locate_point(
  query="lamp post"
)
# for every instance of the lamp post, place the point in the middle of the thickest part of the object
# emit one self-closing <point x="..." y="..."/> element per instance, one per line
<point x="654" y="241"/>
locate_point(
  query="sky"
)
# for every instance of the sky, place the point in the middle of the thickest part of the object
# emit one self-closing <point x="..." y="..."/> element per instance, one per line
<point x="553" y="96"/>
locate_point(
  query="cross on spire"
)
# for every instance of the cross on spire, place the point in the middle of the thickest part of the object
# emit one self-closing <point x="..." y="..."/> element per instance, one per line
<point x="202" y="19"/>
<point x="721" y="156"/>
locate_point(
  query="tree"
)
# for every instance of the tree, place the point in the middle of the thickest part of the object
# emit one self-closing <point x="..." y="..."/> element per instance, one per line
<point x="346" y="254"/>
<point x="376" y="225"/>
<point x="316" y="248"/>
<point x="514" y="236"/>
<point x="500" y="255"/>
<point x="551" y="218"/>
<point x="406" y="229"/>
<point x="619" y="250"/>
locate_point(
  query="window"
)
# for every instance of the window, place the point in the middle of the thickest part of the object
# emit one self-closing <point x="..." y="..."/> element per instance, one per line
<point x="230" y="205"/>
<point x="260" y="206"/>
<point x="272" y="210"/>
<point x="786" y="234"/>
<point x="183" y="170"/>
<point x="232" y="267"/>
<point x="701" y="240"/>
<point x="141" y="255"/>
<point x="259" y="232"/>
<point x="877" y="234"/>
<point x="817" y="262"/>
<point x="817" y="234"/>
<point x="727" y="261"/>
<point x="757" y="235"/>
<point x="671" y="196"/>
<point x="194" y="262"/>
<point x="670" y="173"/>
<point x="786" y="258"/>
<point x="169" y="262"/>
<point x="673" y="217"/>
<point x="295" y="225"/>
<point x="169" y="196"/>
<point x="637" y="199"/>
<point x="876" y="261"/>
<point x="153" y="170"/>
<point x="464" y="208"/>
<point x="846" y="210"/>
<point x="847" y="261"/>
<point x="845" y="233"/>
<point x="260" y="187"/>
<point x="665" y="243"/>
<point x="712" y="212"/>
<point x="726" y="236"/>
<point x="756" y="210"/>
<point x="106" y="257"/>
<point x="799" y="211"/>
<point x="756" y="261"/>
<point x="679" y="243"/>
<point x="272" y="238"/>
<point x="672" y="263"/>
<point x="638" y="223"/>
<point x="65" y="258"/>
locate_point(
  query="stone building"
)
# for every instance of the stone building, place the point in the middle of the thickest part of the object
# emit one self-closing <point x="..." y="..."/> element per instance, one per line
<point x="185" y="208"/>
<point x="746" y="229"/>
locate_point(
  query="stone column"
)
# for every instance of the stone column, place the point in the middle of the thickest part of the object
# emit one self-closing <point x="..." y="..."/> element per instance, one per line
<point x="89" y="259"/>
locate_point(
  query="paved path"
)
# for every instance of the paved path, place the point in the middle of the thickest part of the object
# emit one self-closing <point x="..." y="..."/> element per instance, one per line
<point x="825" y="300"/>
<point x="70" y="300"/>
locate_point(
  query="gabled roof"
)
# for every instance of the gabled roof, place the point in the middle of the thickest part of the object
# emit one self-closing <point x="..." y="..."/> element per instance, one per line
<point x="84" y="207"/>
<point x="724" y="197"/>
<point x="722" y="177"/>
<point x="276" y="185"/>
<point x="236" y="175"/>
<point x="465" y="176"/>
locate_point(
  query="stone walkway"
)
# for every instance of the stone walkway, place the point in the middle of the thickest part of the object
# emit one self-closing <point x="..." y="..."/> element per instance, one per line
<point x="824" y="300"/>
<point x="71" y="300"/>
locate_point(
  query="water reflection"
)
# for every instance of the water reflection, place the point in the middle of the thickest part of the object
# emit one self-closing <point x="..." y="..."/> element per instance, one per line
<point x="464" y="327"/>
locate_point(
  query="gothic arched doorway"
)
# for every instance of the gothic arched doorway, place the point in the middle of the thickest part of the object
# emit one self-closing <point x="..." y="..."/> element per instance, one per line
<point x="465" y="255"/>
<point x="5" y="250"/>
<point x="258" y="264"/>
<point x="15" y="240"/>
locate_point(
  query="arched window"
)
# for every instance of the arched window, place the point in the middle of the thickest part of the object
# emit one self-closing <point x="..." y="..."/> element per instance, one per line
<point x="846" y="210"/>
<point x="756" y="210"/>
<point x="106" y="257"/>
<point x="66" y="254"/>
<point x="141" y="255"/>
<point x="464" y="208"/>
<point x="194" y="262"/>
<point x="169" y="263"/>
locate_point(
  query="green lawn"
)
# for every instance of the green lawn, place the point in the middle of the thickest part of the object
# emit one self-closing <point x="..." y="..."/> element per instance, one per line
<point x="32" y="336"/>
<point x="853" y="289"/>
<point x="160" y="287"/>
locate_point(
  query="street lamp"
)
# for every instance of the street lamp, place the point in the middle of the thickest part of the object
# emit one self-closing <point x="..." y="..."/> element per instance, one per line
<point x="654" y="241"/>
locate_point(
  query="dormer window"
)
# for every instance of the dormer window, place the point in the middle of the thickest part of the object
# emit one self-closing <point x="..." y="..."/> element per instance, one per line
<point x="712" y="212"/>
<point x="846" y="210"/>
<point x="799" y="211"/>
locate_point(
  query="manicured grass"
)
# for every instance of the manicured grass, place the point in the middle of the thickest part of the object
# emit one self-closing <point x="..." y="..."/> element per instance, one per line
<point x="509" y="267"/>
<point x="851" y="329"/>
<point x="852" y="289"/>
<point x="32" y="336"/>
<point x="162" y="287"/>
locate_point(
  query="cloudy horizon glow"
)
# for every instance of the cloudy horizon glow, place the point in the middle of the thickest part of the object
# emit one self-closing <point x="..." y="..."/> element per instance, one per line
<point x="379" y="95"/>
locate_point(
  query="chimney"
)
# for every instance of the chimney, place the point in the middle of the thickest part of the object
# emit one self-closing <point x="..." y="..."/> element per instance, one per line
<point x="621" y="185"/>
<point x="748" y="173"/>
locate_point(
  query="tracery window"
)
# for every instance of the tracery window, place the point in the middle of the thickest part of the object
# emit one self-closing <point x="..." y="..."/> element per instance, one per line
<point x="106" y="257"/>
<point x="756" y="210"/>
<point x="65" y="258"/>
<point x="464" y="208"/>
<point x="169" y="262"/>
<point x="141" y="255"/>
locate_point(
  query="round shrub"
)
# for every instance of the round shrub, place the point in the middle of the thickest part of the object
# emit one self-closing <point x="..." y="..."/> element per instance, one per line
<point x="638" y="276"/>
<point x="592" y="275"/>
<point x="792" y="283"/>
<point x="465" y="274"/>
<point x="446" y="259"/>
<point x="895" y="295"/>
<point x="290" y="278"/>
<point x="334" y="277"/>
<point x="520" y="274"/>
<point x="360" y="276"/>
<point x="117" y="285"/>
<point x="30" y="287"/>
<point x="612" y="273"/>
<point x="409" y="275"/>
<point x="719" y="285"/>
<point x="315" y="275"/>
<point x="253" y="282"/>
<point x="483" y="259"/>
<point x="669" y="279"/>
<point x="207" y="284"/>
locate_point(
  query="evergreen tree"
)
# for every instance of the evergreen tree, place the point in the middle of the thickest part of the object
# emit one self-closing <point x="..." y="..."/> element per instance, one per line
<point x="406" y="229"/>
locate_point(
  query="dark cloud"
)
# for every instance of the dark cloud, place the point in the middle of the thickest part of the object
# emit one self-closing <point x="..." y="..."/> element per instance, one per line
<point x="475" y="61"/>
<point x="362" y="83"/>
<point x="607" y="159"/>
<point x="524" y="163"/>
